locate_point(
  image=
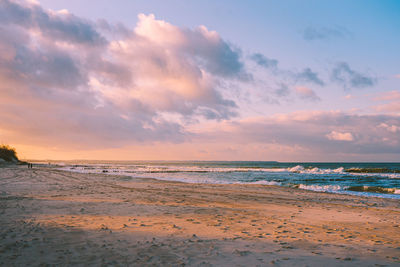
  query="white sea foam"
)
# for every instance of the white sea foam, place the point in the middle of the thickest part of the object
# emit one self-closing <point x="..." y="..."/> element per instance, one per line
<point x="98" y="168"/>
<point x="340" y="170"/>
<point x="375" y="189"/>
<point x="297" y="168"/>
<point x="266" y="183"/>
<point x="140" y="172"/>
<point x="335" y="180"/>
<point x="322" y="188"/>
<point x="315" y="170"/>
<point x="385" y="175"/>
<point x="162" y="169"/>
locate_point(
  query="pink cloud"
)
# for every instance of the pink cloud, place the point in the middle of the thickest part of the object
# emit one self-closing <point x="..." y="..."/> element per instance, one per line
<point x="392" y="100"/>
<point x="389" y="107"/>
<point x="70" y="82"/>
<point x="68" y="79"/>
<point x="338" y="136"/>
<point x="392" y="95"/>
<point x="175" y="70"/>
<point x="307" y="93"/>
<point x="390" y="128"/>
<point x="316" y="131"/>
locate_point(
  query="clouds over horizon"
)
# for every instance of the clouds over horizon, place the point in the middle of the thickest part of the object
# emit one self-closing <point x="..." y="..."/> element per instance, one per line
<point x="59" y="70"/>
<point x="391" y="102"/>
<point x="68" y="81"/>
<point x="319" y="132"/>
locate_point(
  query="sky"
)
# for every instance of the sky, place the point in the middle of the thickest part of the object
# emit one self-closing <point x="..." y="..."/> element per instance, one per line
<point x="201" y="80"/>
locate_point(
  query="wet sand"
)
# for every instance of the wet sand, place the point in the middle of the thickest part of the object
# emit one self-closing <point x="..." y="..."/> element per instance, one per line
<point x="51" y="217"/>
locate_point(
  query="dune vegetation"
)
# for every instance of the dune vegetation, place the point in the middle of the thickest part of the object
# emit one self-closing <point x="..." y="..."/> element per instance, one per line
<point x="8" y="153"/>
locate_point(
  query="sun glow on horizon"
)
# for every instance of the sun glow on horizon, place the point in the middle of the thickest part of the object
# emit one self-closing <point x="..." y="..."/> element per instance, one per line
<point x="161" y="86"/>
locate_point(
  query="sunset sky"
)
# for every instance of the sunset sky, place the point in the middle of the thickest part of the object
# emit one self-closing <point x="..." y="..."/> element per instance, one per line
<point x="201" y="80"/>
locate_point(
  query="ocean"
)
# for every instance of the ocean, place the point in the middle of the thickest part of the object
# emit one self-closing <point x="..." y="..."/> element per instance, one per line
<point x="366" y="179"/>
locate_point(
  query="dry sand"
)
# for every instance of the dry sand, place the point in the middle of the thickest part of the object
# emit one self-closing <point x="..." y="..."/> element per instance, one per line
<point x="51" y="217"/>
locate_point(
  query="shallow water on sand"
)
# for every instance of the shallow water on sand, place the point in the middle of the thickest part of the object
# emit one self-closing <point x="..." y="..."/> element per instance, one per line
<point x="368" y="179"/>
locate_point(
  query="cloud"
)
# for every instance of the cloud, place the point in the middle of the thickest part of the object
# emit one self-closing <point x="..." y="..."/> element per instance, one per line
<point x="391" y="95"/>
<point x="282" y="91"/>
<point x="390" y="128"/>
<point x="349" y="78"/>
<point x="283" y="79"/>
<point x="337" y="136"/>
<point x="263" y="61"/>
<point x="53" y="26"/>
<point x="307" y="93"/>
<point x="307" y="75"/>
<point x="178" y="70"/>
<point x="316" y="132"/>
<point x="73" y="83"/>
<point x="397" y="76"/>
<point x="393" y="106"/>
<point x="325" y="33"/>
<point x="65" y="79"/>
<point x="392" y="100"/>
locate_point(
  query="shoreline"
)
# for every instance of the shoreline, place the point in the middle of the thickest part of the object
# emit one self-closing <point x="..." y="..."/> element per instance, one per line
<point x="59" y="217"/>
<point x="362" y="191"/>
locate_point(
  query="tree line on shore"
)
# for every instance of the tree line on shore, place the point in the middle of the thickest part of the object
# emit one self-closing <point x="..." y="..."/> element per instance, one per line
<point x="8" y="154"/>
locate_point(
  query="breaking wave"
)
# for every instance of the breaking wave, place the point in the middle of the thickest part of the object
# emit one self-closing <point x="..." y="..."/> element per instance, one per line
<point x="374" y="189"/>
<point x="367" y="179"/>
<point x="322" y="188"/>
<point x="314" y="170"/>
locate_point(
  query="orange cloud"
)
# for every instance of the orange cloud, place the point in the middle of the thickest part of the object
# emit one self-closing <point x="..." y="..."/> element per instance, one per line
<point x="307" y="93"/>
<point x="63" y="80"/>
<point x="338" y="136"/>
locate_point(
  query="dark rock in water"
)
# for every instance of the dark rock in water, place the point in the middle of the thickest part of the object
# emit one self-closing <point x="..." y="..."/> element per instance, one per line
<point x="105" y="171"/>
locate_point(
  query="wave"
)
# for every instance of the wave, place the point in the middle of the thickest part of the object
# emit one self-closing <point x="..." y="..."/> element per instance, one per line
<point x="342" y="189"/>
<point x="374" y="189"/>
<point x="148" y="169"/>
<point x="387" y="173"/>
<point x="263" y="183"/>
<point x="313" y="173"/>
<point x="315" y="170"/>
<point x="372" y="170"/>
<point x="208" y="170"/>
<point x="321" y="188"/>
<point x="335" y="180"/>
<point x="382" y="172"/>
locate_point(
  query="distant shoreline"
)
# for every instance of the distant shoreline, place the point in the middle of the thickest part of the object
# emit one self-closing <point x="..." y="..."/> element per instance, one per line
<point x="207" y="161"/>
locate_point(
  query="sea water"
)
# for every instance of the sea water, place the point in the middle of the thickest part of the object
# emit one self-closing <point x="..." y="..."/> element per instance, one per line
<point x="368" y="179"/>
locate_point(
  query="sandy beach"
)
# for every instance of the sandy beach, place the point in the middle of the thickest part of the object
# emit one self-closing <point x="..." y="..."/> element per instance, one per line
<point x="52" y="217"/>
